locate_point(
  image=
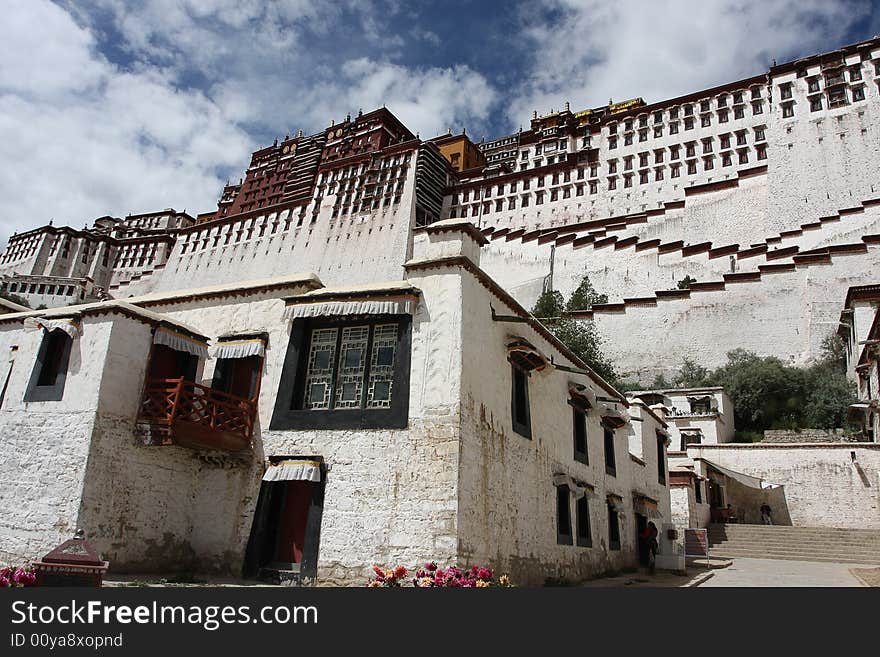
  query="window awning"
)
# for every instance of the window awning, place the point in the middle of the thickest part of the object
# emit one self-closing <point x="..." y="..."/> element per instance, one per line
<point x="646" y="506"/>
<point x="579" y="488"/>
<point x="69" y="325"/>
<point x="853" y="411"/>
<point x="385" y="306"/>
<point x="612" y="415"/>
<point x="238" y="347"/>
<point x="180" y="341"/>
<point x="581" y="395"/>
<point x="524" y="354"/>
<point x="294" y="470"/>
<point x="614" y="502"/>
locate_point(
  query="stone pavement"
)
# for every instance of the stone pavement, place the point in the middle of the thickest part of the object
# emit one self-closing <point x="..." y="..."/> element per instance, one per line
<point x="745" y="572"/>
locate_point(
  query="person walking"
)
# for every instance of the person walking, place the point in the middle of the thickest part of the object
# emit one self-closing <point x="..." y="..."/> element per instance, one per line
<point x="651" y="546"/>
<point x="765" y="514"/>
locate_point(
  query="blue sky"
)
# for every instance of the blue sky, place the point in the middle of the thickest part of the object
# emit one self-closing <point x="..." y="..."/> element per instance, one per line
<point x="115" y="106"/>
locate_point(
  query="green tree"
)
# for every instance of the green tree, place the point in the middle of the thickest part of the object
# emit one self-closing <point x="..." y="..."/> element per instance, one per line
<point x="685" y="283"/>
<point x="768" y="394"/>
<point x="833" y="353"/>
<point x="585" y="296"/>
<point x="692" y="375"/>
<point x="580" y="336"/>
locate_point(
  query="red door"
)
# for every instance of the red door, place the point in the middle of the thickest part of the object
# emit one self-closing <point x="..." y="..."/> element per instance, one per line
<point x="292" y="523"/>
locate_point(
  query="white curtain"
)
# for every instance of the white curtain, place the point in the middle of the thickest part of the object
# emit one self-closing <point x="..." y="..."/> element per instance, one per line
<point x="294" y="470"/>
<point x="69" y="325"/>
<point x="364" y="307"/>
<point x="238" y="348"/>
<point x="180" y="342"/>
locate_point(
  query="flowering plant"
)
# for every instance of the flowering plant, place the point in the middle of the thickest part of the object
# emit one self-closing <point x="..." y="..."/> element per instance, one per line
<point x="431" y="576"/>
<point x="476" y="577"/>
<point x="17" y="577"/>
<point x="387" y="578"/>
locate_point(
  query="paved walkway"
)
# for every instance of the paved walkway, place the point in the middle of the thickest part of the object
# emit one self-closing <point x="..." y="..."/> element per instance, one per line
<point x="778" y="573"/>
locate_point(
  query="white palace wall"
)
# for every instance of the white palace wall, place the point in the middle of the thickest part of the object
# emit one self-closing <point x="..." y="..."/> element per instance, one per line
<point x="823" y="485"/>
<point x="507" y="501"/>
<point x="350" y="249"/>
<point x="785" y="314"/>
<point x="46" y="444"/>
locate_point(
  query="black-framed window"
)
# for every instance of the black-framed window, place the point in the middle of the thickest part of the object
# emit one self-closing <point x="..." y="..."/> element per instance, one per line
<point x="661" y="459"/>
<point x="698" y="491"/>
<point x="563" y="516"/>
<point x="346" y="372"/>
<point x="613" y="528"/>
<point x="519" y="401"/>
<point x="584" y="531"/>
<point x="579" y="424"/>
<point x="50" y="370"/>
<point x="610" y="461"/>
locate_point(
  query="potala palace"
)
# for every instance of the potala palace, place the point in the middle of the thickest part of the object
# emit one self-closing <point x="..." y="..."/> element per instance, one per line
<point x="336" y="367"/>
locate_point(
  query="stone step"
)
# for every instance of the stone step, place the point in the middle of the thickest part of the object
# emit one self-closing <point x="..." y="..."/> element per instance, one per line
<point x="736" y="527"/>
<point x="794" y="548"/>
<point x="867" y="540"/>
<point x="791" y="556"/>
<point x="800" y="545"/>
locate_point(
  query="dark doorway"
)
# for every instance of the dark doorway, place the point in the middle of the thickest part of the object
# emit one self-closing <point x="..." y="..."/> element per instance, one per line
<point x="167" y="363"/>
<point x="238" y="376"/>
<point x="286" y="531"/>
<point x="641" y="528"/>
<point x="293" y="516"/>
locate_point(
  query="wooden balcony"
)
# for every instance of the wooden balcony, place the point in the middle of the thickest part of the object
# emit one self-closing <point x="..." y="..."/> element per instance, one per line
<point x="191" y="415"/>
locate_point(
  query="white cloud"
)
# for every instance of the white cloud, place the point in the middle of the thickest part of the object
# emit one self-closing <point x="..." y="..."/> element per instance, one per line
<point x="86" y="137"/>
<point x="601" y="50"/>
<point x="80" y="138"/>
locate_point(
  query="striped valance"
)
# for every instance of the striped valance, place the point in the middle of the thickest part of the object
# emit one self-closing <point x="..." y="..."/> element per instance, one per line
<point x="399" y="306"/>
<point x="180" y="342"/>
<point x="294" y="470"/>
<point x="615" y="502"/>
<point x="69" y="325"/>
<point x="238" y="348"/>
<point x="646" y="506"/>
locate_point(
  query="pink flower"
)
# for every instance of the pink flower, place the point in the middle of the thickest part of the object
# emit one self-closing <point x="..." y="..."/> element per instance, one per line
<point x="484" y="573"/>
<point x="4" y="582"/>
<point x="400" y="572"/>
<point x="431" y="567"/>
<point x="378" y="571"/>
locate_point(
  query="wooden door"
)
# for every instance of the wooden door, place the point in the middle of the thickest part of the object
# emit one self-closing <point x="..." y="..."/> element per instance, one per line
<point x="292" y="522"/>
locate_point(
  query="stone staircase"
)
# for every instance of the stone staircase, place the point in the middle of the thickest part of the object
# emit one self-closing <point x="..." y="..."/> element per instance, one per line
<point x="795" y="543"/>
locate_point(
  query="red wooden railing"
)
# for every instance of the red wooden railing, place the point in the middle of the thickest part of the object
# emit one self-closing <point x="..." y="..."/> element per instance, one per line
<point x="197" y="415"/>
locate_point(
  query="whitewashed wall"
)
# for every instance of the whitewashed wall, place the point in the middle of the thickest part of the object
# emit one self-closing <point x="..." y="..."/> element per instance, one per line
<point x="824" y="487"/>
